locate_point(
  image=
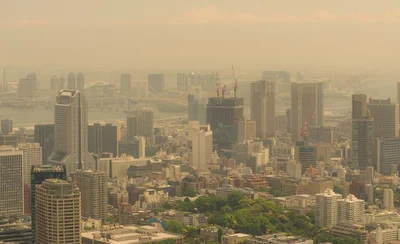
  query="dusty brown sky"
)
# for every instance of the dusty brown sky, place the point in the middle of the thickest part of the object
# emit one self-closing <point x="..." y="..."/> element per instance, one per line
<point x="175" y="34"/>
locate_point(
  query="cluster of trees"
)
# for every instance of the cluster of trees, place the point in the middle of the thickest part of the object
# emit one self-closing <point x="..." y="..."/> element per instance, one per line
<point x="251" y="216"/>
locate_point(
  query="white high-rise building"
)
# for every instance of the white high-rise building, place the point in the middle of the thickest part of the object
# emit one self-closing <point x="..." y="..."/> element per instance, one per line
<point x="293" y="169"/>
<point x="202" y="144"/>
<point x="351" y="210"/>
<point x="326" y="214"/>
<point x="32" y="156"/>
<point x="71" y="132"/>
<point x="11" y="182"/>
<point x="388" y="202"/>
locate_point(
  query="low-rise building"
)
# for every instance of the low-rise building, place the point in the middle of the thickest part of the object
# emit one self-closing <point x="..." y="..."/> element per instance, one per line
<point x="279" y="238"/>
<point x="235" y="238"/>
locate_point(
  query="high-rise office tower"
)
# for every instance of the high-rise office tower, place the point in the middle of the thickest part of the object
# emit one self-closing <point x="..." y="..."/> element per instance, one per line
<point x="135" y="147"/>
<point x="289" y="120"/>
<point x="11" y="180"/>
<point x="32" y="156"/>
<point x="58" y="212"/>
<point x="40" y="173"/>
<point x="6" y="126"/>
<point x="224" y="114"/>
<point x="33" y="78"/>
<point x="362" y="142"/>
<point x="93" y="188"/>
<point x="80" y="81"/>
<point x="388" y="202"/>
<point x="197" y="108"/>
<point x="388" y="154"/>
<point x="182" y="82"/>
<point x="359" y="106"/>
<point x="5" y="83"/>
<point x="25" y="88"/>
<point x="141" y="123"/>
<point x="281" y="78"/>
<point x="202" y="148"/>
<point x="103" y="138"/>
<point x="44" y="135"/>
<point x="326" y="214"/>
<point x="262" y="107"/>
<point x="70" y="132"/>
<point x="71" y="81"/>
<point x="307" y="106"/>
<point x="125" y="83"/>
<point x="57" y="83"/>
<point x="351" y="210"/>
<point x="155" y="83"/>
<point x="386" y="117"/>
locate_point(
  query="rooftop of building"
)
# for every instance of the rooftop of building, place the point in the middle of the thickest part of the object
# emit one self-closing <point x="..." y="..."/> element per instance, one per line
<point x="47" y="168"/>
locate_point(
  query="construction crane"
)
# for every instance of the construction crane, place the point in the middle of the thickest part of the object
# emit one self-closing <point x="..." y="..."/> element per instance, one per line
<point x="304" y="131"/>
<point x="235" y="86"/>
<point x="223" y="90"/>
<point x="217" y="82"/>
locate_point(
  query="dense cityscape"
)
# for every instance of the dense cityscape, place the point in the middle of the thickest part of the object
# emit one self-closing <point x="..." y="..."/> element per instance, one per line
<point x="199" y="122"/>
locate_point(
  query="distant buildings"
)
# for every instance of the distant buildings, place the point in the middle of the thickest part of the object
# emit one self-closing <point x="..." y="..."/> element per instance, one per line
<point x="306" y="155"/>
<point x="386" y="117"/>
<point x="25" y="88"/>
<point x="6" y="126"/>
<point x="33" y="78"/>
<point x="71" y="82"/>
<point x="80" y="82"/>
<point x="155" y="83"/>
<point x="11" y="178"/>
<point x="70" y="132"/>
<point x="135" y="147"/>
<point x="307" y="106"/>
<point x="388" y="154"/>
<point x="57" y="83"/>
<point x="262" y="107"/>
<point x="125" y="83"/>
<point x="58" y="212"/>
<point x="182" y="82"/>
<point x="388" y="200"/>
<point x="141" y="123"/>
<point x="197" y="108"/>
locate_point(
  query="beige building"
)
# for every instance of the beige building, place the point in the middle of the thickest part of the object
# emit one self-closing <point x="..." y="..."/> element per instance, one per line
<point x="388" y="202"/>
<point x="58" y="212"/>
<point x="351" y="210"/>
<point x="327" y="209"/>
<point x="319" y="186"/>
<point x="93" y="188"/>
<point x="235" y="238"/>
<point x="202" y="148"/>
<point x="141" y="123"/>
<point x="11" y="182"/>
<point x="32" y="156"/>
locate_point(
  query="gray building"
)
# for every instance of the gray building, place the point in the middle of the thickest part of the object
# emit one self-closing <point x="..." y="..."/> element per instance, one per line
<point x="197" y="108"/>
<point x="80" y="82"/>
<point x="388" y="154"/>
<point x="44" y="135"/>
<point x="6" y="126"/>
<point x="140" y="123"/>
<point x="125" y="83"/>
<point x="155" y="83"/>
<point x="71" y="82"/>
<point x="103" y="138"/>
<point x="362" y="137"/>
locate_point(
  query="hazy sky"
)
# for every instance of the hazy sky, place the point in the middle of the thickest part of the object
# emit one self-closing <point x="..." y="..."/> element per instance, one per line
<point x="174" y="34"/>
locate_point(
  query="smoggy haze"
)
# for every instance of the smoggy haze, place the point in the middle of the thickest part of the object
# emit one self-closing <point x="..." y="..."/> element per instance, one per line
<point x="173" y="34"/>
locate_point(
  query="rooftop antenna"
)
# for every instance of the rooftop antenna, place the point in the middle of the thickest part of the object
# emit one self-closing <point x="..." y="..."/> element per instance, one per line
<point x="217" y="82"/>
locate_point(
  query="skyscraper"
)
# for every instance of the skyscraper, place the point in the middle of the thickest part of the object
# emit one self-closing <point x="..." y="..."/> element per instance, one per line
<point x="262" y="107"/>
<point x="135" y="147"/>
<point x="359" y="106"/>
<point x="182" y="82"/>
<point x="58" y="212"/>
<point x="11" y="181"/>
<point x="80" y="82"/>
<point x="362" y="138"/>
<point x="202" y="148"/>
<point x="388" y="202"/>
<point x="44" y="135"/>
<point x="103" y="138"/>
<point x="386" y="117"/>
<point x="125" y="83"/>
<point x="70" y="132"/>
<point x="25" y="88"/>
<point x="388" y="154"/>
<point x="57" y="83"/>
<point x="351" y="210"/>
<point x="155" y="83"/>
<point x="32" y="156"/>
<point x="307" y="105"/>
<point x="398" y="96"/>
<point x="93" y="188"/>
<point x="141" y="123"/>
<point x="224" y="114"/>
<point x="33" y="78"/>
<point x="326" y="214"/>
<point x="71" y="81"/>
<point x="197" y="108"/>
<point x="6" y="126"/>
<point x="306" y="155"/>
<point x="40" y="173"/>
